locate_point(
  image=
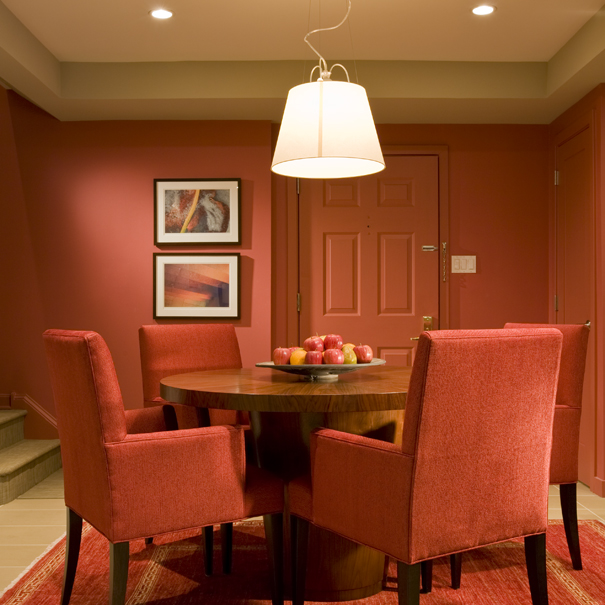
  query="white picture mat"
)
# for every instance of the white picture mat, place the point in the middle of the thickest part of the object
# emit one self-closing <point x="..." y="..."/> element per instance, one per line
<point x="229" y="237"/>
<point x="196" y="259"/>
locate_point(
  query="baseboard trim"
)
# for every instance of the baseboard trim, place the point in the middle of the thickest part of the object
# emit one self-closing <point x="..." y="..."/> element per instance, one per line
<point x="25" y="402"/>
<point x="597" y="486"/>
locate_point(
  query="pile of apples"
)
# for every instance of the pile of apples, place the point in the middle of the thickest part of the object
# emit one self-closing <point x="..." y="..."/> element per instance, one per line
<point x="323" y="349"/>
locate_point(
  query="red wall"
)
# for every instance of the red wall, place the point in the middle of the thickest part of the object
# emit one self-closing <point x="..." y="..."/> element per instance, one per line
<point x="87" y="188"/>
<point x="498" y="203"/>
<point x="498" y="211"/>
<point x="79" y="197"/>
<point x="21" y="310"/>
<point x="589" y="113"/>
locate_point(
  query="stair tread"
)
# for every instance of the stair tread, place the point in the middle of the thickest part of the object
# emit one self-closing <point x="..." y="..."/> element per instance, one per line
<point x="10" y="415"/>
<point x="23" y="452"/>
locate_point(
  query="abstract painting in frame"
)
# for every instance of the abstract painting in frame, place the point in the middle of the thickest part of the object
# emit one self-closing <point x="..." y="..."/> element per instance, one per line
<point x="197" y="211"/>
<point x="196" y="285"/>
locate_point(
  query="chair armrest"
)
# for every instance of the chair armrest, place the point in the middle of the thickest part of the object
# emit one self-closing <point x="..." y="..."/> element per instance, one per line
<point x="361" y="489"/>
<point x="167" y="481"/>
<point x="150" y="420"/>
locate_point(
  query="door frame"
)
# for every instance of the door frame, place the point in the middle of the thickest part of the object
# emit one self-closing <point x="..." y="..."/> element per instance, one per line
<point x="291" y="314"/>
<point x="590" y="119"/>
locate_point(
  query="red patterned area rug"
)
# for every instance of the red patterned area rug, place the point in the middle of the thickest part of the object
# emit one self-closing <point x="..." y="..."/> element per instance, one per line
<point x="170" y="572"/>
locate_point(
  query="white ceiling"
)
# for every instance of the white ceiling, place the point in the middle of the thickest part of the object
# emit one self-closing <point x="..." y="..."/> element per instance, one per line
<point x="420" y="60"/>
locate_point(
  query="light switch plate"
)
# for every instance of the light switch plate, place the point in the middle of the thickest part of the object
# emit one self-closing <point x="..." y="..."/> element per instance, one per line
<point x="464" y="264"/>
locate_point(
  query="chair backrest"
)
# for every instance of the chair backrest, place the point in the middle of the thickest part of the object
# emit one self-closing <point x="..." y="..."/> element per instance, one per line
<point x="566" y="428"/>
<point x="573" y="360"/>
<point x="90" y="413"/>
<point x="478" y="422"/>
<point x="179" y="348"/>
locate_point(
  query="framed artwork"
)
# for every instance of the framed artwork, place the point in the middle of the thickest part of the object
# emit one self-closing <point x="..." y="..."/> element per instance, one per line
<point x="196" y="285"/>
<point x="197" y="211"/>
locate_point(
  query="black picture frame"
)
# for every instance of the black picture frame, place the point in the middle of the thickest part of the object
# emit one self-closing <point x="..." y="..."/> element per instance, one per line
<point x="196" y="285"/>
<point x="197" y="211"/>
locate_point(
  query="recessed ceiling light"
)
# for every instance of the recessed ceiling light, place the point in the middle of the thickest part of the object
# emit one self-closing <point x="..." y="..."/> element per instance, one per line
<point x="484" y="9"/>
<point x="161" y="13"/>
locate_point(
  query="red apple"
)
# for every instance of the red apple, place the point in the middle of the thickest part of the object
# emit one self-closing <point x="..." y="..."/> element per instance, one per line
<point x="281" y="356"/>
<point x="313" y="343"/>
<point x="334" y="356"/>
<point x="314" y="357"/>
<point x="333" y="341"/>
<point x="363" y="353"/>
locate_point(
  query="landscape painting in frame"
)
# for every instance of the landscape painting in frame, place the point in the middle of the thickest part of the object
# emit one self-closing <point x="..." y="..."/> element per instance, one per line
<point x="197" y="211"/>
<point x="196" y="285"/>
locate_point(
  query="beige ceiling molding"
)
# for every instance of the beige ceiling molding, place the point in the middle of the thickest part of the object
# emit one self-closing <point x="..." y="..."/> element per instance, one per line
<point x="21" y="49"/>
<point x="452" y="79"/>
<point x="583" y="48"/>
<point x="399" y="91"/>
<point x="273" y="79"/>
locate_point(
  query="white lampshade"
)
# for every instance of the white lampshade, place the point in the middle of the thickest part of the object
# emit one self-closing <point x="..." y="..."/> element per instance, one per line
<point x="327" y="132"/>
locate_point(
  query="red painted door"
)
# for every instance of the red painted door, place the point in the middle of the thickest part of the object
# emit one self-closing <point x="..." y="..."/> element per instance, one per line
<point x="576" y="268"/>
<point x="363" y="272"/>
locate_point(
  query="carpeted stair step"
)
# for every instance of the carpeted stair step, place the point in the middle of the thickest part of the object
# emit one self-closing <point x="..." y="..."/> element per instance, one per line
<point x="11" y="426"/>
<point x="26" y="463"/>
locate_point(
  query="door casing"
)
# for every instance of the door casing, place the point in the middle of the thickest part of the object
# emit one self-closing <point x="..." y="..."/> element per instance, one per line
<point x="291" y="314"/>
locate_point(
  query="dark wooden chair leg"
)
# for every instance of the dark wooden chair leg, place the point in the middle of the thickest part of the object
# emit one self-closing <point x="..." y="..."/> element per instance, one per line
<point x="208" y="540"/>
<point x="227" y="546"/>
<point x="72" y="553"/>
<point x="299" y="540"/>
<point x="408" y="583"/>
<point x="118" y="572"/>
<point x="385" y="573"/>
<point x="148" y="541"/>
<point x="535" y="558"/>
<point x="426" y="572"/>
<point x="456" y="569"/>
<point x="569" y="508"/>
<point x="274" y="533"/>
<point x="170" y="418"/>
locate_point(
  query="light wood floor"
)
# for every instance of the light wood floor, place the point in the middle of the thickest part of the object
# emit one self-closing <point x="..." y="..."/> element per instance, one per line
<point x="29" y="524"/>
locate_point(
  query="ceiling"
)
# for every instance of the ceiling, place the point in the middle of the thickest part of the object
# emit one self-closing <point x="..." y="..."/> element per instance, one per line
<point x="421" y="61"/>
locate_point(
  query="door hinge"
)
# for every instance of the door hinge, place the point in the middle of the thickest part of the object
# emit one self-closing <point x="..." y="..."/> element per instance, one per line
<point x="298" y="302"/>
<point x="556" y="303"/>
<point x="444" y="260"/>
<point x="556" y="177"/>
<point x="297" y="186"/>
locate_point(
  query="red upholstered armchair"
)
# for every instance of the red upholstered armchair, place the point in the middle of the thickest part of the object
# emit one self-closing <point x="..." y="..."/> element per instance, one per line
<point x="566" y="428"/>
<point x="131" y="486"/>
<point x="180" y="348"/>
<point x="473" y="468"/>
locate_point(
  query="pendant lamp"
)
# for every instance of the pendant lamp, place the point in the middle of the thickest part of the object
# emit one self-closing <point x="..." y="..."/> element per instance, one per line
<point x="327" y="131"/>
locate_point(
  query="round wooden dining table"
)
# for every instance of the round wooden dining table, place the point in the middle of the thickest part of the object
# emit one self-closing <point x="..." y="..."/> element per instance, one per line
<point x="283" y="411"/>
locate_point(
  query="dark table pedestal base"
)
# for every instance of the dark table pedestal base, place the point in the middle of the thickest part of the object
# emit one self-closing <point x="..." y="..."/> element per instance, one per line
<point x="338" y="569"/>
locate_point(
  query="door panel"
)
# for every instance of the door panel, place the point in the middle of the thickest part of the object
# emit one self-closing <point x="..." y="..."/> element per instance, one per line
<point x="576" y="269"/>
<point x="363" y="273"/>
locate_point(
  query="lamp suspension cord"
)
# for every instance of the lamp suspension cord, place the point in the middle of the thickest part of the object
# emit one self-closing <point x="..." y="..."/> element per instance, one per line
<point x="353" y="52"/>
<point x="323" y="66"/>
<point x="308" y="27"/>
